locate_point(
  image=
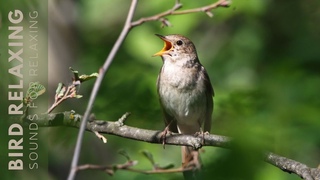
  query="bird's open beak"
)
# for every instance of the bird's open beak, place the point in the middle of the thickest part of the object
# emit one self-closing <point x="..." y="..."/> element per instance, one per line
<point x="167" y="46"/>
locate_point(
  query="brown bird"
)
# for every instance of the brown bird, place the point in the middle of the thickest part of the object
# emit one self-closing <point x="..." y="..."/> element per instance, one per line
<point x="185" y="92"/>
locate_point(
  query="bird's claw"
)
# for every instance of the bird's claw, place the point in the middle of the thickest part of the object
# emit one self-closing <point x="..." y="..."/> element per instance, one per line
<point x="164" y="135"/>
<point x="202" y="135"/>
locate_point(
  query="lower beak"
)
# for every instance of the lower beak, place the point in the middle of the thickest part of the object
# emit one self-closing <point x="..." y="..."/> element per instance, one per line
<point x="167" y="46"/>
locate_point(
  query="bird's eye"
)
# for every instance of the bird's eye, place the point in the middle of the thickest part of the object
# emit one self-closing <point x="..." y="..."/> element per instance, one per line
<point x="179" y="42"/>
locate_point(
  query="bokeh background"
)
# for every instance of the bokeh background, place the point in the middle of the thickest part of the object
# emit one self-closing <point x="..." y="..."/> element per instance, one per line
<point x="263" y="59"/>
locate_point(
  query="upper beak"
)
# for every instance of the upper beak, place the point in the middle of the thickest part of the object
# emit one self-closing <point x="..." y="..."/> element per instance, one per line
<point x="167" y="46"/>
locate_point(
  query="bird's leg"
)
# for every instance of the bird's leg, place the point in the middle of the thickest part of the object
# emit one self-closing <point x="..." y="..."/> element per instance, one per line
<point x="202" y="134"/>
<point x="164" y="134"/>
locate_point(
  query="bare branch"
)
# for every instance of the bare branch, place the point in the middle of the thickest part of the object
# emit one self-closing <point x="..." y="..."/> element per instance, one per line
<point x="128" y="167"/>
<point x="173" y="11"/>
<point x="97" y="85"/>
<point x="101" y="137"/>
<point x="292" y="166"/>
<point x="157" y="16"/>
<point x="220" y="3"/>
<point x="283" y="163"/>
<point x="123" y="118"/>
<point x="151" y="136"/>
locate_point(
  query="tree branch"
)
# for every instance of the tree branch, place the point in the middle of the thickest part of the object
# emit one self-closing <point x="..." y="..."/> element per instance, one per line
<point x="97" y="85"/>
<point x="128" y="167"/>
<point x="206" y="9"/>
<point x="173" y="11"/>
<point x="292" y="166"/>
<point x="152" y="136"/>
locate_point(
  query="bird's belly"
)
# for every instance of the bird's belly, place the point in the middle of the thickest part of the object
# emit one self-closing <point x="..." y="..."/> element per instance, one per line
<point x="187" y="106"/>
<point x="182" y="95"/>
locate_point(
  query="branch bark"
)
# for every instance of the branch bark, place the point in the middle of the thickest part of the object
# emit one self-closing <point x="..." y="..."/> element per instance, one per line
<point x="118" y="128"/>
<point x="292" y="166"/>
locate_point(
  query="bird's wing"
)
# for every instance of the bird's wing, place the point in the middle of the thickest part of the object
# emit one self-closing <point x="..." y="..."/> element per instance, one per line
<point x="170" y="122"/>
<point x="209" y="95"/>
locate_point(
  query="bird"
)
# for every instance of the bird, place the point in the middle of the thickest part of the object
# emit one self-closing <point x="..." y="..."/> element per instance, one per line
<point x="185" y="92"/>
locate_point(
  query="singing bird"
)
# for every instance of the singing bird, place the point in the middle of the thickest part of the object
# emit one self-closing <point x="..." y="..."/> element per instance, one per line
<point x="185" y="92"/>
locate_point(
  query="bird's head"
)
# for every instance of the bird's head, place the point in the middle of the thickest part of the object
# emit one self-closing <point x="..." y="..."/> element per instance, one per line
<point x="177" y="47"/>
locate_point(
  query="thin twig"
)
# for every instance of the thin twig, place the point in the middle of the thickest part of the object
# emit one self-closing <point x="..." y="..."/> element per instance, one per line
<point x="59" y="100"/>
<point x="123" y="118"/>
<point x="96" y="87"/>
<point x="127" y="166"/>
<point x="157" y="16"/>
<point x="177" y="5"/>
<point x="101" y="137"/>
<point x="220" y="3"/>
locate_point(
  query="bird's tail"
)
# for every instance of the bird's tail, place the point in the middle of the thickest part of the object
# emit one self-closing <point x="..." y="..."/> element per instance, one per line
<point x="190" y="157"/>
<point x="191" y="163"/>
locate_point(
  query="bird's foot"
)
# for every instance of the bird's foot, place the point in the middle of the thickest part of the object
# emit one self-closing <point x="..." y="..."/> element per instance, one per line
<point x="163" y="136"/>
<point x="202" y="134"/>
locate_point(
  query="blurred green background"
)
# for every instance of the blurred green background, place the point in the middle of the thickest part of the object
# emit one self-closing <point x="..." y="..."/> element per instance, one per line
<point x="263" y="59"/>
